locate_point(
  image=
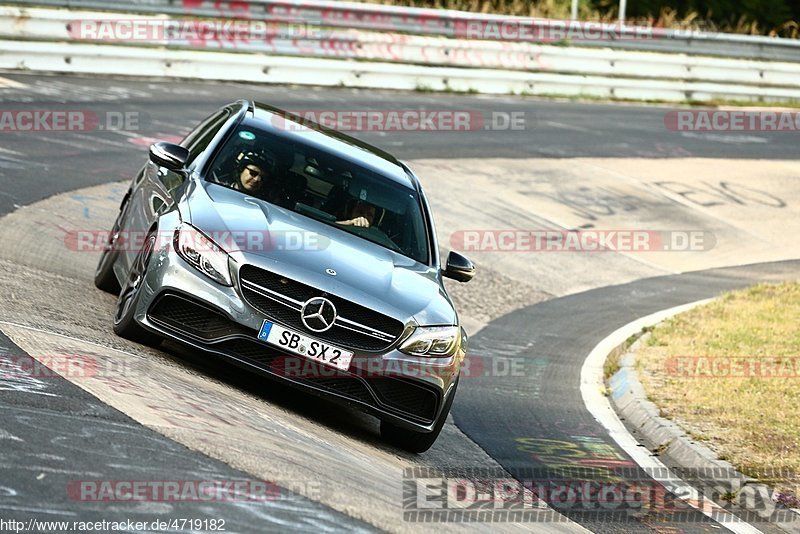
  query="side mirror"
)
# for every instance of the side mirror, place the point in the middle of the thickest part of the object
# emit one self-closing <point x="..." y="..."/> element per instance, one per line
<point x="458" y="268"/>
<point x="171" y="157"/>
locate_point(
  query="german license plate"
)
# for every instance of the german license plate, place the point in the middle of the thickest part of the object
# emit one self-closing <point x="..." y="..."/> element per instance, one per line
<point x="306" y="346"/>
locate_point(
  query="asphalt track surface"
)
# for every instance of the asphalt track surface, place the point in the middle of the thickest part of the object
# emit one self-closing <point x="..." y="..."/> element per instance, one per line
<point x="550" y="425"/>
<point x="54" y="433"/>
<point x="505" y="417"/>
<point x="57" y="163"/>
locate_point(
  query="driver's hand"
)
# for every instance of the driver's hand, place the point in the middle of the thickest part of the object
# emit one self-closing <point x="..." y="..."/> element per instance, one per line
<point x="362" y="222"/>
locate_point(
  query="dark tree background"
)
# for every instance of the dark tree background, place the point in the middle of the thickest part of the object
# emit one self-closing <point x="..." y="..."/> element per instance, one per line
<point x="780" y="17"/>
<point x="727" y="14"/>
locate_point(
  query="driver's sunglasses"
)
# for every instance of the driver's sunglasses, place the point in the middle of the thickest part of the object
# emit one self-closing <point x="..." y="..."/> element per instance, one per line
<point x="255" y="173"/>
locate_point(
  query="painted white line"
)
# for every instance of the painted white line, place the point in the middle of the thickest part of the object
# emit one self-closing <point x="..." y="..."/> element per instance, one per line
<point x="599" y="406"/>
<point x="10" y="84"/>
<point x="722" y="138"/>
<point x="569" y="127"/>
<point x="65" y="336"/>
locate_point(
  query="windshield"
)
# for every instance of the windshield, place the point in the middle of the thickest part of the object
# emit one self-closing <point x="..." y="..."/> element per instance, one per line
<point x="323" y="187"/>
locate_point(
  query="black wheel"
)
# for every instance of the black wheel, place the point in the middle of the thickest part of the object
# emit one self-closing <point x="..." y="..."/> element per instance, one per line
<point x="417" y="441"/>
<point x="104" y="277"/>
<point x="124" y="323"/>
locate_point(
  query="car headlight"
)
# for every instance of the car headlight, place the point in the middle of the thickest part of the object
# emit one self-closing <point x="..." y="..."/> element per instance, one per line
<point x="203" y="254"/>
<point x="433" y="341"/>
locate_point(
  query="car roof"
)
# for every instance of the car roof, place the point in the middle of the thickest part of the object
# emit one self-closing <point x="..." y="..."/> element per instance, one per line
<point x="298" y="129"/>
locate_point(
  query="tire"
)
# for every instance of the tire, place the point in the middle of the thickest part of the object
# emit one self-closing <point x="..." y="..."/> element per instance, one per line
<point x="104" y="277"/>
<point x="124" y="323"/>
<point x="417" y="442"/>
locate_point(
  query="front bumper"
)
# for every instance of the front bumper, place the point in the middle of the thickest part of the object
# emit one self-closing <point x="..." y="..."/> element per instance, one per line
<point x="180" y="303"/>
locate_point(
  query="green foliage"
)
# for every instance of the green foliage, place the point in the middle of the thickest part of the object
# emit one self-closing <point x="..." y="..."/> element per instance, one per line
<point x="742" y="16"/>
<point x="768" y="17"/>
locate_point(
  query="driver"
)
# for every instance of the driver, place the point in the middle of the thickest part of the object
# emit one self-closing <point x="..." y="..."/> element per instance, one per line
<point x="362" y="215"/>
<point x="253" y="169"/>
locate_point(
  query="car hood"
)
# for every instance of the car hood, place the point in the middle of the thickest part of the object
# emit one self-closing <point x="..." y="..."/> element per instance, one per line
<point x="298" y="247"/>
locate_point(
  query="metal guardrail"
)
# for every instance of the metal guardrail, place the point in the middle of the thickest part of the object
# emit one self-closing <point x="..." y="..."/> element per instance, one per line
<point x="260" y="68"/>
<point x="76" y="26"/>
<point x="454" y="24"/>
<point x="44" y="39"/>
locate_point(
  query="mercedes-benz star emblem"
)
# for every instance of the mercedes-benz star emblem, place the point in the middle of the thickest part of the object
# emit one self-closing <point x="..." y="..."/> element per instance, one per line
<point x="318" y="314"/>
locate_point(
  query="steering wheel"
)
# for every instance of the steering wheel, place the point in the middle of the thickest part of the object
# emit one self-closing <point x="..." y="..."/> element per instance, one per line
<point x="375" y="234"/>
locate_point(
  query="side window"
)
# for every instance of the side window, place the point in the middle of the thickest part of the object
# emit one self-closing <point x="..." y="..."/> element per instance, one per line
<point x="198" y="140"/>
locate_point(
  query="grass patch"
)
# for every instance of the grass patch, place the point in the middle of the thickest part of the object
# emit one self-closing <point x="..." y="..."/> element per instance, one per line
<point x="658" y="451"/>
<point x="588" y="98"/>
<point x="729" y="371"/>
<point x="718" y="102"/>
<point x="704" y="104"/>
<point x="611" y="365"/>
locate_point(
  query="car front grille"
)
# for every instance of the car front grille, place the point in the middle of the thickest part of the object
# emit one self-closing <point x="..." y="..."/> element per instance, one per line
<point x="413" y="398"/>
<point x="281" y="299"/>
<point x="278" y="363"/>
<point x="398" y="395"/>
<point x="193" y="318"/>
<point x="189" y="317"/>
